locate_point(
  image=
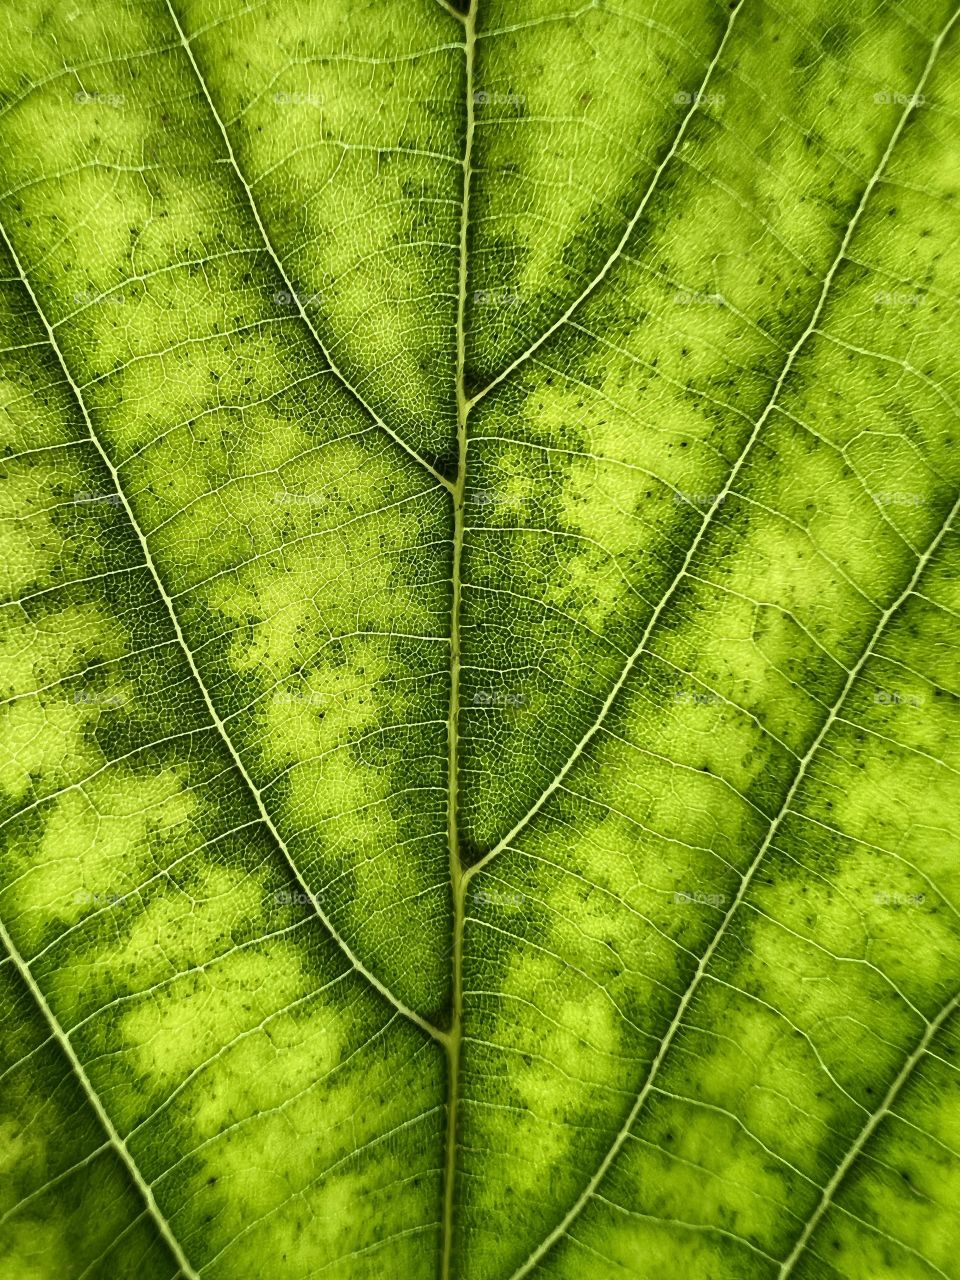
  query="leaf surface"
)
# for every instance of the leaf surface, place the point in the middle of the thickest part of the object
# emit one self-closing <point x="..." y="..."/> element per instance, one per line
<point x="479" y="783"/>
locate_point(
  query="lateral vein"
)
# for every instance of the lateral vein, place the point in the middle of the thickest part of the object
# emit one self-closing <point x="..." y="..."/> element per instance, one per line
<point x="865" y="1134"/>
<point x="573" y="1212"/>
<point x="621" y="245"/>
<point x="275" y="258"/>
<point x="731" y="478"/>
<point x="133" y="1169"/>
<point x="218" y="724"/>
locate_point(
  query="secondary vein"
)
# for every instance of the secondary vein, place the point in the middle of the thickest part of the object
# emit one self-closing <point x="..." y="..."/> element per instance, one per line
<point x="719" y="499"/>
<point x="866" y="1133"/>
<point x="694" y="985"/>
<point x="66" y="1047"/>
<point x="218" y="724"/>
<point x="278" y="263"/>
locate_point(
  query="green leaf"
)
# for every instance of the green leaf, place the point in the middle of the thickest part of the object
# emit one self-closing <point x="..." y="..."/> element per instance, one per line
<point x="479" y="770"/>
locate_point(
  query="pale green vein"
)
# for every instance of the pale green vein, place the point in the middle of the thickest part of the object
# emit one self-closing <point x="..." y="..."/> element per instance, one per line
<point x="63" y="1040"/>
<point x="865" y="1134"/>
<point x="458" y="881"/>
<point x="185" y="40"/>
<point x="64" y="1176"/>
<point x="720" y="497"/>
<point x="215" y="719"/>
<point x="612" y="1152"/>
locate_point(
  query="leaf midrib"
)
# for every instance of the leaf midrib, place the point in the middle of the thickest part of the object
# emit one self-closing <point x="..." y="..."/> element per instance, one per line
<point x="458" y="880"/>
<point x="459" y="876"/>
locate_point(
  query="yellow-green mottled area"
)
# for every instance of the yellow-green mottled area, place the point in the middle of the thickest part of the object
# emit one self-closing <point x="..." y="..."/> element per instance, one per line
<point x="478" y="683"/>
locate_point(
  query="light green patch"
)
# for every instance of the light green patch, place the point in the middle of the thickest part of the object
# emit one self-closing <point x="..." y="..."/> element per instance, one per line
<point x="94" y="851"/>
<point x="29" y="545"/>
<point x="48" y="735"/>
<point x="202" y="1006"/>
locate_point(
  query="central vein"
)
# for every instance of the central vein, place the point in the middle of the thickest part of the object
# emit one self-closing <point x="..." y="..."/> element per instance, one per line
<point x="458" y="880"/>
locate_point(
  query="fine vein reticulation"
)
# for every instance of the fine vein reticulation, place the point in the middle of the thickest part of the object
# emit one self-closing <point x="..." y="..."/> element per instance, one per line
<point x="503" y="823"/>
